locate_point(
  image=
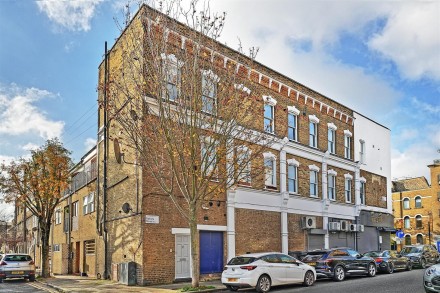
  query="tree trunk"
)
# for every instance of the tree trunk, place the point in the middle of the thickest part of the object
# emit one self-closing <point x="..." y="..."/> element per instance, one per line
<point x="45" y="233"/>
<point x="195" y="273"/>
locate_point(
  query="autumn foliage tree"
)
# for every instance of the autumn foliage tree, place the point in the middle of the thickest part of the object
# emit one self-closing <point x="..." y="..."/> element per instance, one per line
<point x="37" y="183"/>
<point x="186" y="110"/>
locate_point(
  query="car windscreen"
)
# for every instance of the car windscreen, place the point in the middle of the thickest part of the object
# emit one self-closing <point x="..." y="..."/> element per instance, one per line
<point x="313" y="257"/>
<point x="17" y="257"/>
<point x="241" y="260"/>
<point x="407" y="250"/>
<point x="373" y="254"/>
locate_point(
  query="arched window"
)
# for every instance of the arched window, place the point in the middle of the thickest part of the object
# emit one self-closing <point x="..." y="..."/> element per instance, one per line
<point x="406" y="204"/>
<point x="418" y="200"/>
<point x="407" y="222"/>
<point x="419" y="239"/>
<point x="407" y="239"/>
<point x="419" y="224"/>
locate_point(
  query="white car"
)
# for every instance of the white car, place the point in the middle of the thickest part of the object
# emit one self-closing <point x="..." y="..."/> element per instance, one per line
<point x="431" y="279"/>
<point x="17" y="265"/>
<point x="264" y="270"/>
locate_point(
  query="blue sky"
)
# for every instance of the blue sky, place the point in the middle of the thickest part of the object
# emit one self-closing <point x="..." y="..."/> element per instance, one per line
<point x="380" y="58"/>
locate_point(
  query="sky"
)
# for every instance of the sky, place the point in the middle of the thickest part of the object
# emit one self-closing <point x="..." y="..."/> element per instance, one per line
<point x="380" y="58"/>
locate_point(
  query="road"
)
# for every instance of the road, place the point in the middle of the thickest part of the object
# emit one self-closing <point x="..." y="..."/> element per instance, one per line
<point x="23" y="286"/>
<point x="399" y="282"/>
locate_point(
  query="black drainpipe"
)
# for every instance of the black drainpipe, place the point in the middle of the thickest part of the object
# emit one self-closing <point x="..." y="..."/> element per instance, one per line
<point x="104" y="187"/>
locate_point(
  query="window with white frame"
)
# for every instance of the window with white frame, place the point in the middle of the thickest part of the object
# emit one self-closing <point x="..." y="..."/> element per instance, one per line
<point x="362" y="191"/>
<point x="362" y="151"/>
<point x="313" y="131"/>
<point x="406" y="204"/>
<point x="270" y="169"/>
<point x="171" y="74"/>
<point x="331" y="138"/>
<point x="75" y="209"/>
<point x="348" y="181"/>
<point x="209" y="92"/>
<point x="292" y="176"/>
<point x="208" y="150"/>
<point x="89" y="203"/>
<point x="418" y="202"/>
<point x="407" y="222"/>
<point x="57" y="217"/>
<point x="292" y="123"/>
<point x="347" y="144"/>
<point x="313" y="180"/>
<point x="244" y="165"/>
<point x="331" y="184"/>
<point x="269" y="114"/>
<point x="56" y="248"/>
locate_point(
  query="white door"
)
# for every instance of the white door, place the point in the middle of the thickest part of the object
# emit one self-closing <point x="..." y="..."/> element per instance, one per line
<point x="183" y="256"/>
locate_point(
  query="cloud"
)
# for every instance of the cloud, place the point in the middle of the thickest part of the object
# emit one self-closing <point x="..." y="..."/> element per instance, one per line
<point x="72" y="15"/>
<point x="89" y="144"/>
<point x="411" y="39"/>
<point x="30" y="146"/>
<point x="19" y="115"/>
<point x="425" y="107"/>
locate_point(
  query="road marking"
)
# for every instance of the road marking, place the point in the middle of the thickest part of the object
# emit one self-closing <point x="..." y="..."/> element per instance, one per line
<point x="41" y="287"/>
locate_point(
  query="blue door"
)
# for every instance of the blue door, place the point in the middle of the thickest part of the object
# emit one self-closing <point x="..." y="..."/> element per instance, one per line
<point x="211" y="252"/>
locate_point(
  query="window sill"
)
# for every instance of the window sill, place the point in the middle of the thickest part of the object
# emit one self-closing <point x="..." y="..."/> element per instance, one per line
<point x="271" y="188"/>
<point x="314" y="196"/>
<point x="244" y="184"/>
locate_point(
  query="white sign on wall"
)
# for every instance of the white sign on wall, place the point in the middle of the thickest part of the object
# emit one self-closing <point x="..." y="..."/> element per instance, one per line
<point x="151" y="219"/>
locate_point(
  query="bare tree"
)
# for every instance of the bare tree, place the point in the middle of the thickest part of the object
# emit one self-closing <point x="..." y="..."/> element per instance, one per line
<point x="186" y="106"/>
<point x="37" y="184"/>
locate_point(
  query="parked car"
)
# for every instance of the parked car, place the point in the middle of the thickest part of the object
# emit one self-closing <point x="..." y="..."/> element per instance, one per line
<point x="338" y="263"/>
<point x="17" y="265"/>
<point x="264" y="270"/>
<point x="431" y="279"/>
<point x="311" y="257"/>
<point x="389" y="261"/>
<point x="421" y="255"/>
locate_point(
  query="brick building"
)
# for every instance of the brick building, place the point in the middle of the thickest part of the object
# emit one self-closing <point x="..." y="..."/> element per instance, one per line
<point x="416" y="208"/>
<point x="326" y="182"/>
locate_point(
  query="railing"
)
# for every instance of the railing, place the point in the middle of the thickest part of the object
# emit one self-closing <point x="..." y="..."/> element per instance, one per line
<point x="81" y="179"/>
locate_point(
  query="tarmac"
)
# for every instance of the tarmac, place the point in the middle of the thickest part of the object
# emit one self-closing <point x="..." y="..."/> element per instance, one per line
<point x="72" y="283"/>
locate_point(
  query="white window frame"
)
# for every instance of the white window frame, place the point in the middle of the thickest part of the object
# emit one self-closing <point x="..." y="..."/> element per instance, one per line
<point x="404" y="201"/>
<point x="270" y="169"/>
<point x="314" y="181"/>
<point x="415" y="202"/>
<point x="58" y="216"/>
<point x="74" y="209"/>
<point x="348" y="187"/>
<point x="292" y="112"/>
<point x="56" y="248"/>
<point x="331" y="184"/>
<point x="292" y="167"/>
<point x="362" y="190"/>
<point x="245" y="174"/>
<point x="362" y="151"/>
<point x="210" y="158"/>
<point x="209" y="79"/>
<point x="313" y="125"/>
<point x="347" y="144"/>
<point x="170" y="62"/>
<point x="89" y="203"/>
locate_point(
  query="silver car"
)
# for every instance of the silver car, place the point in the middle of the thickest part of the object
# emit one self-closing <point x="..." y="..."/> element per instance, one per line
<point x="17" y="265"/>
<point x="431" y="279"/>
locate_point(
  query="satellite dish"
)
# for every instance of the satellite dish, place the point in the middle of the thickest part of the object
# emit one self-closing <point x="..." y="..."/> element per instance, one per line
<point x="126" y="207"/>
<point x="117" y="151"/>
<point x="134" y="115"/>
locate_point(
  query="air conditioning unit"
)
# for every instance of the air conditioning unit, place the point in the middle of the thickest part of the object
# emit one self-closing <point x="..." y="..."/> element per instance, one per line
<point x="308" y="222"/>
<point x="334" y="226"/>
<point x="361" y="228"/>
<point x="357" y="228"/>
<point x="352" y="227"/>
<point x="344" y="225"/>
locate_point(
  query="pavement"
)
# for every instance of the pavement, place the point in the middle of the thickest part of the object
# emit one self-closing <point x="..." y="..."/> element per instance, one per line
<point x="72" y="283"/>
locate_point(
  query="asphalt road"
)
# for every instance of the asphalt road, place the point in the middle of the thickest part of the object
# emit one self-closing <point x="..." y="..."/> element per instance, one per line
<point x="399" y="282"/>
<point x="22" y="286"/>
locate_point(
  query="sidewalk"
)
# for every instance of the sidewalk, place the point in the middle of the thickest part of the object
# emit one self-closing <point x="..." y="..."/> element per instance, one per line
<point x="70" y="283"/>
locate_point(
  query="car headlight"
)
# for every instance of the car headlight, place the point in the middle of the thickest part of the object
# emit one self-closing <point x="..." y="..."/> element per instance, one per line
<point x="430" y="271"/>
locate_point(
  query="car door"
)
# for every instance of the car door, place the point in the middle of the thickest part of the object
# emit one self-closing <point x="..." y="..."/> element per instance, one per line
<point x="275" y="268"/>
<point x="356" y="261"/>
<point x="294" y="269"/>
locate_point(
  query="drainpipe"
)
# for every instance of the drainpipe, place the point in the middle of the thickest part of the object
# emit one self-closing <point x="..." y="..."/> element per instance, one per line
<point x="104" y="187"/>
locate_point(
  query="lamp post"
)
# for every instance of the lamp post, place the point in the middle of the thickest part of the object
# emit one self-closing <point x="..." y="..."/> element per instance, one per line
<point x="429" y="226"/>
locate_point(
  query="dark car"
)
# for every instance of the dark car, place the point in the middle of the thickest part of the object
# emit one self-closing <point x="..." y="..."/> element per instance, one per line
<point x="421" y="255"/>
<point x="389" y="261"/>
<point x="337" y="263"/>
<point x="311" y="257"/>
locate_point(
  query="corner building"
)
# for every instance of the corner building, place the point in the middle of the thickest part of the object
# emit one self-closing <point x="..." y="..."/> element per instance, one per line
<point x="326" y="183"/>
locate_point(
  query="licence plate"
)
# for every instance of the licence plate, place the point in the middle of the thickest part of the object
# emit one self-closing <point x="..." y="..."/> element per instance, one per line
<point x="232" y="280"/>
<point x="17" y="273"/>
<point x="313" y="264"/>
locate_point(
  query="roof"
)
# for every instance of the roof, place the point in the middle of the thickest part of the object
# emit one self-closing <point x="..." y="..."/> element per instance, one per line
<point x="410" y="184"/>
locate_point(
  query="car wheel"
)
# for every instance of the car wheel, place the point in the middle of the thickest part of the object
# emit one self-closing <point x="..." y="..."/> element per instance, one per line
<point x="409" y="266"/>
<point x="309" y="279"/>
<point x="263" y="284"/>
<point x="371" y="270"/>
<point x="390" y="269"/>
<point x="423" y="263"/>
<point x="339" y="274"/>
<point x="32" y="279"/>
